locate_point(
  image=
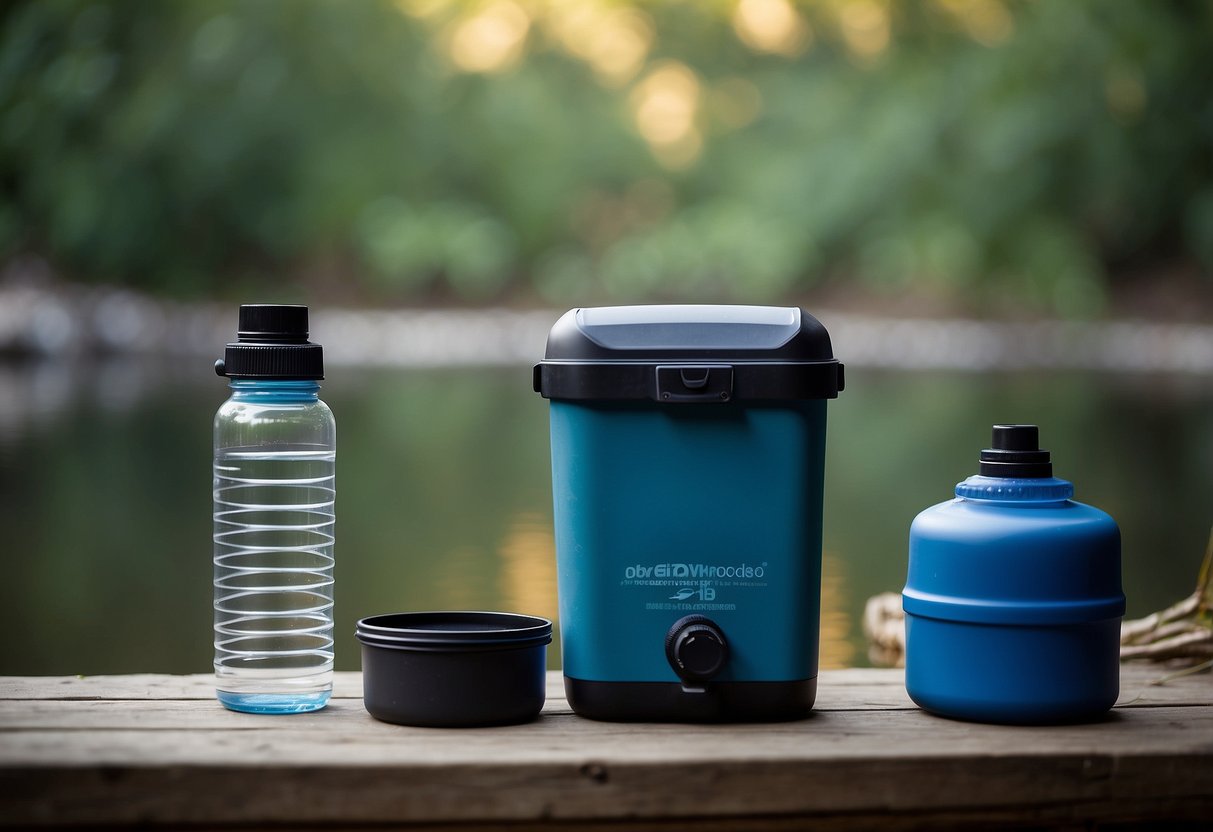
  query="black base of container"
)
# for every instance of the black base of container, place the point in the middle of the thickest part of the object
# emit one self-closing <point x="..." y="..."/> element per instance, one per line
<point x="671" y="702"/>
<point x="453" y="690"/>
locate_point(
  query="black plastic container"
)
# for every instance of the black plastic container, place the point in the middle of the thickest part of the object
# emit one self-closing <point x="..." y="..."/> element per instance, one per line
<point x="454" y="669"/>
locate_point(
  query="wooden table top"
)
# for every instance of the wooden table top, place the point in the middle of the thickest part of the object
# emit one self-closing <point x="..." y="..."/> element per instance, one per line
<point x="159" y="750"/>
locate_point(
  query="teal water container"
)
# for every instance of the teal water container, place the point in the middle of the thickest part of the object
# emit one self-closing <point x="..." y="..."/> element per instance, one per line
<point x="688" y="450"/>
<point x="1013" y="598"/>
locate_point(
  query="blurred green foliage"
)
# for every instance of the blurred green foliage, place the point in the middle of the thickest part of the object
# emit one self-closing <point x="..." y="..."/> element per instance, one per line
<point x="603" y="150"/>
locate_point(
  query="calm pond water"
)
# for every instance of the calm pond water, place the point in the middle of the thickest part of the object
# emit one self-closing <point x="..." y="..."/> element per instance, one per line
<point x="444" y="495"/>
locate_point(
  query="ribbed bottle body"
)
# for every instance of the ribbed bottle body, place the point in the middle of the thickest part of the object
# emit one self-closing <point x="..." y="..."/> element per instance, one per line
<point x="274" y="496"/>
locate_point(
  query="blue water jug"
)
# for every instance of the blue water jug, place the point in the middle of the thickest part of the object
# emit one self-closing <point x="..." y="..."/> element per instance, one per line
<point x="1013" y="599"/>
<point x="688" y="445"/>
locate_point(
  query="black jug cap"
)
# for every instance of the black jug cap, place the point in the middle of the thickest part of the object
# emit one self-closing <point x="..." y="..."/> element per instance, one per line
<point x="271" y="343"/>
<point x="1016" y="454"/>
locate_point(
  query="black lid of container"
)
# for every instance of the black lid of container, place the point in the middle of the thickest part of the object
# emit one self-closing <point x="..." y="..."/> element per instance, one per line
<point x="688" y="354"/>
<point x="454" y="631"/>
<point x="271" y="343"/>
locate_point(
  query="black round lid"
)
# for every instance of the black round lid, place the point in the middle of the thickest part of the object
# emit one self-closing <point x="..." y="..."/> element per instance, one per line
<point x="454" y="630"/>
<point x="271" y="343"/>
<point x="1016" y="453"/>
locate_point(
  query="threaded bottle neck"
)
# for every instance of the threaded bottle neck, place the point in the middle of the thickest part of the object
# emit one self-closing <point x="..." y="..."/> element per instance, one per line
<point x="1026" y="490"/>
<point x="267" y="391"/>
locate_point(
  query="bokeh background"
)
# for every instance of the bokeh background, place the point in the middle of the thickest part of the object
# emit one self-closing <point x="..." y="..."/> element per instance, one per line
<point x="1003" y="211"/>
<point x="1022" y="153"/>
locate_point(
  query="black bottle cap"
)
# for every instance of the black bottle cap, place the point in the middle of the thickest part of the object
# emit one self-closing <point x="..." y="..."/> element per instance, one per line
<point x="1016" y="453"/>
<point x="273" y="322"/>
<point x="271" y="343"/>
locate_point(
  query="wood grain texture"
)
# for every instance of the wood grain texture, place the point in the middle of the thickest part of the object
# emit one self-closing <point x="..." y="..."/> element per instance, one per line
<point x="159" y="750"/>
<point x="845" y="689"/>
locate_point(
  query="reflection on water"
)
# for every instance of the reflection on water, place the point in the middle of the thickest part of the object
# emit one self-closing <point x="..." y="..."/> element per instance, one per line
<point x="837" y="624"/>
<point x="31" y="394"/>
<point x="528" y="566"/>
<point x="444" y="495"/>
<point x="453" y="588"/>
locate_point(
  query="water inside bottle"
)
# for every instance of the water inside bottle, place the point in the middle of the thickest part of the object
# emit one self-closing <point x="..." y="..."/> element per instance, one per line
<point x="274" y="578"/>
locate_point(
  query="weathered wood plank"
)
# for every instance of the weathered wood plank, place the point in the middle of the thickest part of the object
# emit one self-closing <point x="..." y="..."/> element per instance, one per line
<point x="590" y="786"/>
<point x="167" y="733"/>
<point x="160" y="750"/>
<point x="846" y="689"/>
<point x="139" y="686"/>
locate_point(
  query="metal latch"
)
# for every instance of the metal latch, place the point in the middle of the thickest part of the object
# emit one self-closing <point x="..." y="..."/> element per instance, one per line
<point x="695" y="383"/>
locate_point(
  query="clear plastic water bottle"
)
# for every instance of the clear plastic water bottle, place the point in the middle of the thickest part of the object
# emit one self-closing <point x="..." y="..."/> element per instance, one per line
<point x="275" y="444"/>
